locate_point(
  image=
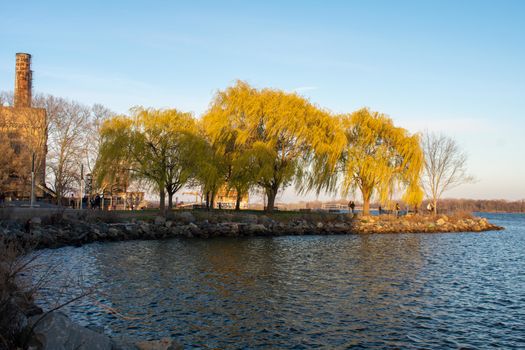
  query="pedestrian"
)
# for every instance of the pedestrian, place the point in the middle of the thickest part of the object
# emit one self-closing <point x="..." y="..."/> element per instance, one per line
<point x="397" y="209"/>
<point x="27" y="226"/>
<point x="351" y="205"/>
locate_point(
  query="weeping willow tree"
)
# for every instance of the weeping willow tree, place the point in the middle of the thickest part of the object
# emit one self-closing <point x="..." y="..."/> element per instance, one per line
<point x="380" y="158"/>
<point x="211" y="167"/>
<point x="154" y="145"/>
<point x="230" y="165"/>
<point x="272" y="133"/>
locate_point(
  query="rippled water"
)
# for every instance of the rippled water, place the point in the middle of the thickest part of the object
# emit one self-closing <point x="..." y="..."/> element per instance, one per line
<point x="375" y="291"/>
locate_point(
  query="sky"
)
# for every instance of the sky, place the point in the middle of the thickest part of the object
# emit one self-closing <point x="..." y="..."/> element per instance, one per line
<point x="456" y="67"/>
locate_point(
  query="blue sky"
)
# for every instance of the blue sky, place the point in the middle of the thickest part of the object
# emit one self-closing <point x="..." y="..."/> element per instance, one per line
<point x="451" y="66"/>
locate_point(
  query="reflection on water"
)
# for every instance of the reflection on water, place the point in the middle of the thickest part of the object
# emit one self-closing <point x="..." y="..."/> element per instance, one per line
<point x="411" y="290"/>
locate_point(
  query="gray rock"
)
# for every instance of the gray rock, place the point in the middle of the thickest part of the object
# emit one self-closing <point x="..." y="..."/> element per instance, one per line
<point x="175" y="230"/>
<point x="184" y="216"/>
<point x="160" y="220"/>
<point x="266" y="221"/>
<point x="256" y="228"/>
<point x="36" y="221"/>
<point x="249" y="219"/>
<point x="341" y="227"/>
<point x="144" y="228"/>
<point x="55" y="331"/>
<point x="13" y="319"/>
<point x="194" y="229"/>
<point x="113" y="232"/>
<point x="163" y="344"/>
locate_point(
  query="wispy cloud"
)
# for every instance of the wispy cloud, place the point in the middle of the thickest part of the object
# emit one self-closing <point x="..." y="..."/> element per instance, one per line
<point x="83" y="79"/>
<point x="457" y="125"/>
<point x="304" y="88"/>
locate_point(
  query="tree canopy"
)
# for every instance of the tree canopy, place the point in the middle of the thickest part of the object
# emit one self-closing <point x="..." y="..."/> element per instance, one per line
<point x="265" y="139"/>
<point x="154" y="145"/>
<point x="380" y="158"/>
<point x="277" y="134"/>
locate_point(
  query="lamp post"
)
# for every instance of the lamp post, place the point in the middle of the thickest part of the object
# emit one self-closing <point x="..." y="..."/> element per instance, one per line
<point x="81" y="185"/>
<point x="32" y="201"/>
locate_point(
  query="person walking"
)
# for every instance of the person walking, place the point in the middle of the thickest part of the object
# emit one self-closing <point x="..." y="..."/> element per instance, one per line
<point x="397" y="209"/>
<point x="351" y="206"/>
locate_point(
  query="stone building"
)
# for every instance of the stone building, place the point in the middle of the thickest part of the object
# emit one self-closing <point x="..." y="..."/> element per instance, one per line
<point x="25" y="130"/>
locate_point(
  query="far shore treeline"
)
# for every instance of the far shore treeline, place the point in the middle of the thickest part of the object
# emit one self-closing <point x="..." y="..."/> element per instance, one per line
<point x="249" y="140"/>
<point x="266" y="139"/>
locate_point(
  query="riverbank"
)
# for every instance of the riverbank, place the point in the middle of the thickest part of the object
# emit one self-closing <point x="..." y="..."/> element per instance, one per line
<point x="59" y="230"/>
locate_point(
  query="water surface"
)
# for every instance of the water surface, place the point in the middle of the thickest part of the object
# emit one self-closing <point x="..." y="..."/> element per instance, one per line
<point x="375" y="291"/>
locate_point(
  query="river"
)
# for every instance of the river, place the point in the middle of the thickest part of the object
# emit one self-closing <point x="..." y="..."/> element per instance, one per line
<point x="370" y="291"/>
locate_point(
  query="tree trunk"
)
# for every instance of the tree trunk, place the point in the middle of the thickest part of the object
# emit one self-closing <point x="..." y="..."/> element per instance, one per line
<point x="238" y="201"/>
<point x="366" y="201"/>
<point x="271" y="194"/>
<point x="162" y="204"/>
<point x="435" y="208"/>
<point x="170" y="200"/>
<point x="212" y="199"/>
<point x="366" y="206"/>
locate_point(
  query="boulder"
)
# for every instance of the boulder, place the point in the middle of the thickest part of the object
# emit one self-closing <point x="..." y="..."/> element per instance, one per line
<point x="256" y="229"/>
<point x="36" y="221"/>
<point x="56" y="331"/>
<point x="160" y="220"/>
<point x="194" y="229"/>
<point x="440" y="222"/>
<point x="144" y="228"/>
<point x="163" y="344"/>
<point x="266" y="221"/>
<point x="13" y="319"/>
<point x="184" y="216"/>
<point x="248" y="219"/>
<point x="113" y="232"/>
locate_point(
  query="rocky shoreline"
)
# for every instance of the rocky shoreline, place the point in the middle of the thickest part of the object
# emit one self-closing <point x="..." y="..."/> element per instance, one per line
<point x="39" y="233"/>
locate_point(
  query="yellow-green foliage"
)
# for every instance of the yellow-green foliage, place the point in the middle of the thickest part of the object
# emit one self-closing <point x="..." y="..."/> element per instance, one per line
<point x="380" y="157"/>
<point x="266" y="138"/>
<point x="155" y="145"/>
<point x="273" y="133"/>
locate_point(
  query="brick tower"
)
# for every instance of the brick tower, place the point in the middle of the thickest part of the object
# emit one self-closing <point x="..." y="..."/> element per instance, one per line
<point x="25" y="128"/>
<point x="23" y="80"/>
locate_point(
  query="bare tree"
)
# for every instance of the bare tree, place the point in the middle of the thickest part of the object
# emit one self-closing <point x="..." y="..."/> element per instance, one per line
<point x="67" y="125"/>
<point x="445" y="166"/>
<point x="6" y="98"/>
<point x="99" y="114"/>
